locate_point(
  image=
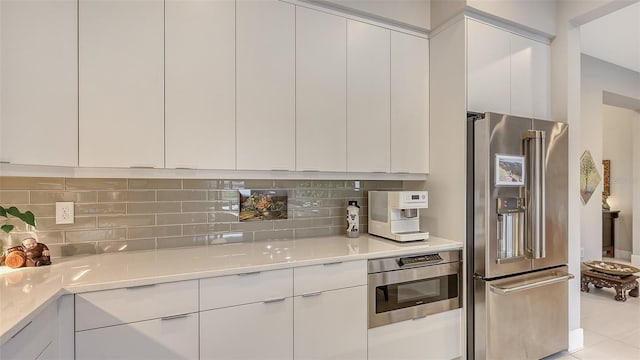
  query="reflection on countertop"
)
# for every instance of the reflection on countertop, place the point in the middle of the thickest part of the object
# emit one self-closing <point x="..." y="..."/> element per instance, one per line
<point x="24" y="291"/>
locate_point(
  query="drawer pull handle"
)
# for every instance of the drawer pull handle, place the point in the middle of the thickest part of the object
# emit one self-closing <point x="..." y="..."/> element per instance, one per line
<point x="333" y="263"/>
<point x="250" y="273"/>
<point x="142" y="167"/>
<point x="5" y="162"/>
<point x="273" y="300"/>
<point x="140" y="287"/>
<point x="312" y="294"/>
<point x="19" y="331"/>
<point x="173" y="317"/>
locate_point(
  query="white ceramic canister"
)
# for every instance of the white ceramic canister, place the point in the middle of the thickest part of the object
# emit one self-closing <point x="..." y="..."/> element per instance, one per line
<point x="353" y="219"/>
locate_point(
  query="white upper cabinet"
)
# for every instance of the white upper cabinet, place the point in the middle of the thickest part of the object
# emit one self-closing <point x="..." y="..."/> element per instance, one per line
<point x="368" y="98"/>
<point x="409" y="103"/>
<point x="265" y="94"/>
<point x="121" y="52"/>
<point x="321" y="99"/>
<point x="39" y="82"/>
<point x="507" y="73"/>
<point x="488" y="63"/>
<point x="530" y="78"/>
<point x="200" y="84"/>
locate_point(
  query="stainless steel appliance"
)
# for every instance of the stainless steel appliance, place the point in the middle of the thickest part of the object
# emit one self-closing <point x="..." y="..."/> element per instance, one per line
<point x="395" y="215"/>
<point x="411" y="287"/>
<point x="517" y="237"/>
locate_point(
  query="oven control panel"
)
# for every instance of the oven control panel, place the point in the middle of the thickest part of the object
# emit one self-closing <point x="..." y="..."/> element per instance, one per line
<point x="421" y="259"/>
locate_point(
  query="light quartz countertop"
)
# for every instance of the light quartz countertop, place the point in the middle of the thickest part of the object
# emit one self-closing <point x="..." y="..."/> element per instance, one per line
<point x="23" y="292"/>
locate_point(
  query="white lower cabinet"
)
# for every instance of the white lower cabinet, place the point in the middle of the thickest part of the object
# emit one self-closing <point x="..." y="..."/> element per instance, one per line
<point x="435" y="336"/>
<point x="173" y="337"/>
<point x="158" y="321"/>
<point x="38" y="339"/>
<point x="261" y="330"/>
<point x="331" y="324"/>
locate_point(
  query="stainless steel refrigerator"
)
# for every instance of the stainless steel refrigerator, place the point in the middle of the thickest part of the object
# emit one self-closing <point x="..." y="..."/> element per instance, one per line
<point x="517" y="288"/>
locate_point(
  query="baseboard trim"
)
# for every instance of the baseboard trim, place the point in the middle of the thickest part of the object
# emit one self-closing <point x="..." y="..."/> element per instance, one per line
<point x="576" y="340"/>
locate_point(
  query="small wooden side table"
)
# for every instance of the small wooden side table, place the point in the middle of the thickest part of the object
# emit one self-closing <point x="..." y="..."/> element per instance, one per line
<point x="620" y="283"/>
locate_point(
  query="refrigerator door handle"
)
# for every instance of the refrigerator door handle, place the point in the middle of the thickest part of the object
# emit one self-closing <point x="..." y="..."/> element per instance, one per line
<point x="506" y="290"/>
<point x="534" y="149"/>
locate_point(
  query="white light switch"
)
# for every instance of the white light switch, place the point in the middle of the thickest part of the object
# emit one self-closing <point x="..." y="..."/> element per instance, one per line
<point x="64" y="213"/>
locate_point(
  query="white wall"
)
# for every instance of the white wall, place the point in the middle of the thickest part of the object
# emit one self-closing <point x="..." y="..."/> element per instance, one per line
<point x="538" y="15"/>
<point x="565" y="106"/>
<point x="413" y="12"/>
<point x="596" y="77"/>
<point x="635" y="258"/>
<point x="617" y="146"/>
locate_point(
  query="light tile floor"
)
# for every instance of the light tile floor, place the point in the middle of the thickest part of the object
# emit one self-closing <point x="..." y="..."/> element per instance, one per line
<point x="611" y="328"/>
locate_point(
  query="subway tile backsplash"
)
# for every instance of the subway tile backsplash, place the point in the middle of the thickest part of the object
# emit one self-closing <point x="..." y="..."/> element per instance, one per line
<point x="115" y="215"/>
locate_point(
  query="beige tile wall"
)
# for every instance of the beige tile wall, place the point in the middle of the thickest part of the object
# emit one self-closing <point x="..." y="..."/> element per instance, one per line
<point x="138" y="214"/>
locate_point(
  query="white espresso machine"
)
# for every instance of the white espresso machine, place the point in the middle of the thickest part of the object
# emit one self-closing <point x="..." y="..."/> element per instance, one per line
<point x="395" y="215"/>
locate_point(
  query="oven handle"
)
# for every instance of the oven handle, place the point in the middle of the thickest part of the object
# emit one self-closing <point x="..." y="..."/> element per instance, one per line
<point x="420" y="264"/>
<point x="508" y="290"/>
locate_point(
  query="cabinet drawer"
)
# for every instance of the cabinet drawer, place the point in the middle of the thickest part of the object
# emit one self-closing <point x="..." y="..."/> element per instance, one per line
<point x="38" y="334"/>
<point x="167" y="338"/>
<point x="245" y="288"/>
<point x="337" y="275"/>
<point x="119" y="306"/>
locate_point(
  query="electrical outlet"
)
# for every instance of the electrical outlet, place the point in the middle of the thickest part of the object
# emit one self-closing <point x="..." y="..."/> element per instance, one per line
<point x="64" y="213"/>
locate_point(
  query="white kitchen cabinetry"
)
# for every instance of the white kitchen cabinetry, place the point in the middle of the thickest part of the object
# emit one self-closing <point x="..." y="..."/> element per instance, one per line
<point x="39" y="87"/>
<point x="321" y="100"/>
<point x="488" y="64"/>
<point x="166" y="338"/>
<point x="121" y="83"/>
<point x="200" y="84"/>
<point x="247" y="316"/>
<point x="432" y="337"/>
<point x="143" y="322"/>
<point x="38" y="339"/>
<point x="330" y="312"/>
<point x="409" y="103"/>
<point x="261" y="330"/>
<point x="368" y="98"/>
<point x="507" y="73"/>
<point x="530" y="78"/>
<point x="265" y="93"/>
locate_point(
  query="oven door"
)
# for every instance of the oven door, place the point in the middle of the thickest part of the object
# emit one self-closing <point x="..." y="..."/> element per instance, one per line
<point x="413" y="293"/>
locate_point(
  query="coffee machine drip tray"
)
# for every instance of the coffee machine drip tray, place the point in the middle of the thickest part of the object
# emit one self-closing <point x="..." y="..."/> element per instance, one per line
<point x="409" y="236"/>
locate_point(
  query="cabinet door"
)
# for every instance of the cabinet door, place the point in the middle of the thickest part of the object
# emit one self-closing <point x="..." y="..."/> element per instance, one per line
<point x="436" y="336"/>
<point x="321" y="99"/>
<point x="253" y="331"/>
<point x="39" y="86"/>
<point x="331" y="324"/>
<point x="39" y="336"/>
<point x="368" y="98"/>
<point x="530" y="78"/>
<point x="409" y="103"/>
<point x="265" y="95"/>
<point x="488" y="68"/>
<point x="167" y="338"/>
<point x="200" y="84"/>
<point x="121" y="83"/>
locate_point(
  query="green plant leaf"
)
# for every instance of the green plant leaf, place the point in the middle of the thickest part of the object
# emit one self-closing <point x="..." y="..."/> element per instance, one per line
<point x="6" y="228"/>
<point x="14" y="211"/>
<point x="3" y="212"/>
<point x="28" y="218"/>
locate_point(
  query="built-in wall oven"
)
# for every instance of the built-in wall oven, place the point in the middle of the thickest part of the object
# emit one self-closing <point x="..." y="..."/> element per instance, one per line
<point x="411" y="287"/>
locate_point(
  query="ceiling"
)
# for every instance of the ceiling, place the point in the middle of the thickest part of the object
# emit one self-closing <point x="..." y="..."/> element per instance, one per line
<point x="614" y="38"/>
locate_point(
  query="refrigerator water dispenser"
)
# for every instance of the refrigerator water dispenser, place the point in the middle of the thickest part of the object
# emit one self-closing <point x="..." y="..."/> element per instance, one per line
<point x="510" y="230"/>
